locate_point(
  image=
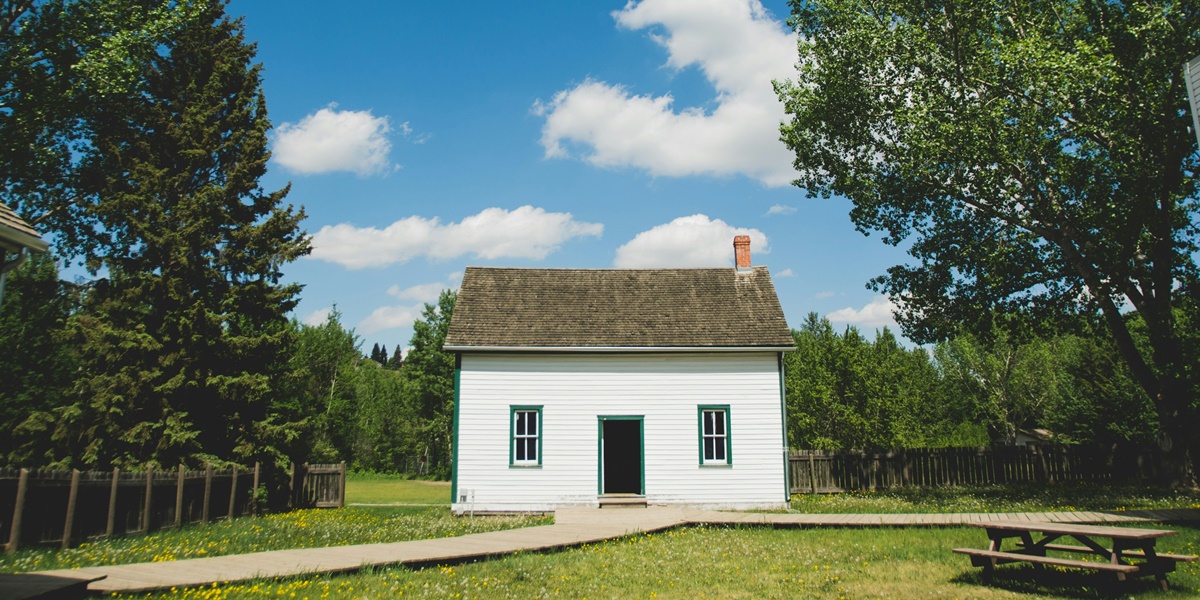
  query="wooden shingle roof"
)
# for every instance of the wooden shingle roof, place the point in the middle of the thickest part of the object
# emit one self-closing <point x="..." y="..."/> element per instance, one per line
<point x="15" y="233"/>
<point x="501" y="308"/>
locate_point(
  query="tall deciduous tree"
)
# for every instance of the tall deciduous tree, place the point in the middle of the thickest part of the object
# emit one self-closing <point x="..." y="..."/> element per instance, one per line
<point x="184" y="342"/>
<point x="1036" y="153"/>
<point x="429" y="373"/>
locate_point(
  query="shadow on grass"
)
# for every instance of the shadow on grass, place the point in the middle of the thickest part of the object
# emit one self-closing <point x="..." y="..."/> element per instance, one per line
<point x="1066" y="583"/>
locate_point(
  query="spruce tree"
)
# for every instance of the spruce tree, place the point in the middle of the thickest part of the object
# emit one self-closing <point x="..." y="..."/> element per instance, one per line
<point x="184" y="342"/>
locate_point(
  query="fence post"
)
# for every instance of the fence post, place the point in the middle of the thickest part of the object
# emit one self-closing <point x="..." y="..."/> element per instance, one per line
<point x="254" y="492"/>
<point x="14" y="536"/>
<point x="232" y="492"/>
<point x="69" y="521"/>
<point x="207" y="492"/>
<point x="342" y="485"/>
<point x="149" y="493"/>
<point x="179" y="498"/>
<point x="812" y="472"/>
<point x="112" y="504"/>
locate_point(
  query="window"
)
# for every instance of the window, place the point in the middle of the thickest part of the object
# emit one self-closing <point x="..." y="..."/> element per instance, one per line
<point x="715" y="445"/>
<point x="525" y="428"/>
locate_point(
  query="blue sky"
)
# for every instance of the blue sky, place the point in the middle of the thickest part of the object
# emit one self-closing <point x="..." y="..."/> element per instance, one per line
<point x="423" y="137"/>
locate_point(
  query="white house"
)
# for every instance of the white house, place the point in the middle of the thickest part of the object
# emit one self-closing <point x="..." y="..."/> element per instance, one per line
<point x="590" y="387"/>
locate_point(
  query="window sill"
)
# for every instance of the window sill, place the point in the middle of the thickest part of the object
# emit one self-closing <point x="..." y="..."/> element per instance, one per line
<point x="716" y="466"/>
<point x="518" y="466"/>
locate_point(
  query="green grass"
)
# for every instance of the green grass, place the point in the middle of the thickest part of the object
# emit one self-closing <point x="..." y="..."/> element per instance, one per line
<point x="991" y="499"/>
<point x="705" y="562"/>
<point x="296" y="529"/>
<point x="394" y="489"/>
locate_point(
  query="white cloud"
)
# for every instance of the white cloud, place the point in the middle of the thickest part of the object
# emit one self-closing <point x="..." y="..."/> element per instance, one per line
<point x="878" y="313"/>
<point x="786" y="273"/>
<point x="781" y="209"/>
<point x="525" y="232"/>
<point x="331" y="140"/>
<point x="824" y="294"/>
<point x="317" y="317"/>
<point x="390" y="317"/>
<point x="426" y="292"/>
<point x="694" y="241"/>
<point x="739" y="49"/>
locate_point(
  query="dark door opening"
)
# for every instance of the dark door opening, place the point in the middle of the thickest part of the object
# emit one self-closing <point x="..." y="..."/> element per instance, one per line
<point x="621" y="440"/>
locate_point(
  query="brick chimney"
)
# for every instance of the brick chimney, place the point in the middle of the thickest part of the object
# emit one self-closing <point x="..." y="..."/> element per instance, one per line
<point x="741" y="252"/>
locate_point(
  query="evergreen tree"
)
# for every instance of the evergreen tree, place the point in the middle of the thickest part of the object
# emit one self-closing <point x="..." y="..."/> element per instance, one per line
<point x="383" y="357"/>
<point x="36" y="367"/>
<point x="396" y="362"/>
<point x="182" y="345"/>
<point x="375" y="352"/>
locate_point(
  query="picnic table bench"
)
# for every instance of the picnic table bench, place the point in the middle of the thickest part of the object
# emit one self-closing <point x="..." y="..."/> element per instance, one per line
<point x="1127" y="543"/>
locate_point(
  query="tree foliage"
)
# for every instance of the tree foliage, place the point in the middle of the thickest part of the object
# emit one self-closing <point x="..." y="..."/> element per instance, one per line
<point x="181" y="345"/>
<point x="1036" y="154"/>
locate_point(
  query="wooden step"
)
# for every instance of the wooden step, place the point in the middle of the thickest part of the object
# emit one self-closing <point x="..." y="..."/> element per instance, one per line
<point x="980" y="558"/>
<point x="622" y="501"/>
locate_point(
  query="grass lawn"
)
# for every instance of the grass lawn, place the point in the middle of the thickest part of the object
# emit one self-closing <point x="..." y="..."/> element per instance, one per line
<point x="297" y="529"/>
<point x="707" y="562"/>
<point x="394" y="489"/>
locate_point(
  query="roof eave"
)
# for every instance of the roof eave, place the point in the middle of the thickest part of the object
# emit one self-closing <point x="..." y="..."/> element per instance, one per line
<point x="15" y="239"/>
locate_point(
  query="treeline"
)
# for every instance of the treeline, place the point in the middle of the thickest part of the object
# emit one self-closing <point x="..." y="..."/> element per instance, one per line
<point x="324" y="400"/>
<point x="845" y="392"/>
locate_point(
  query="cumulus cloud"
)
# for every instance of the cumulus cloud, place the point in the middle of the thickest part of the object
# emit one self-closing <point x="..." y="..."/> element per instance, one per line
<point x="426" y="292"/>
<point x="878" y="313"/>
<point x="786" y="273"/>
<point x="332" y="140"/>
<point x="781" y="209"/>
<point x="525" y="232"/>
<point x="390" y="317"/>
<point x="738" y="47"/>
<point x="317" y="317"/>
<point x="694" y="241"/>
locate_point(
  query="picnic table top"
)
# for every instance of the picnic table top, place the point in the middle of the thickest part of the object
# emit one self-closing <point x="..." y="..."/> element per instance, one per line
<point x="1127" y="533"/>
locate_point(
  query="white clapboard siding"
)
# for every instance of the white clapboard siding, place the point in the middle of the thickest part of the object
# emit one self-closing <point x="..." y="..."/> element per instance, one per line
<point x="575" y="389"/>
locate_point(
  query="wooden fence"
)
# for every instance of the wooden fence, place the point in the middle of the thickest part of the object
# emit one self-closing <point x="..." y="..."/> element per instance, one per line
<point x="64" y="507"/>
<point x="319" y="486"/>
<point x="830" y="471"/>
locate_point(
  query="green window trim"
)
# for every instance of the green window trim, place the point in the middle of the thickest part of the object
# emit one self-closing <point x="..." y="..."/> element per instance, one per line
<point x="515" y="418"/>
<point x="716" y="434"/>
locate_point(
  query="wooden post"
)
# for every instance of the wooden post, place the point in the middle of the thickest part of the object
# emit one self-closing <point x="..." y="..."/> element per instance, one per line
<point x="254" y="491"/>
<point x="112" y="504"/>
<point x="69" y="521"/>
<point x="232" y="492"/>
<point x="14" y="536"/>
<point x="179" y="499"/>
<point x="812" y="472"/>
<point x="342" y="485"/>
<point x="149" y="494"/>
<point x="207" y="492"/>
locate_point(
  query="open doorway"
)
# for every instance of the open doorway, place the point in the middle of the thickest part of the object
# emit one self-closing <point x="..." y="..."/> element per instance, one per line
<point x="622" y="464"/>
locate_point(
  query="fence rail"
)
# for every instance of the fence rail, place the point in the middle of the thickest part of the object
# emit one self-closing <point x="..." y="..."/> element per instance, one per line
<point x="64" y="507"/>
<point x="831" y="471"/>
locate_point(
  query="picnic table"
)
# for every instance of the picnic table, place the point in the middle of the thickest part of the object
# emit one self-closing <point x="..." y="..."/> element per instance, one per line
<point x="1131" y="553"/>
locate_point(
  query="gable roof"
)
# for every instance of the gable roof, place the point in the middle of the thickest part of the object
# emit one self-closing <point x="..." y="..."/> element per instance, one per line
<point x="15" y="233"/>
<point x="613" y="309"/>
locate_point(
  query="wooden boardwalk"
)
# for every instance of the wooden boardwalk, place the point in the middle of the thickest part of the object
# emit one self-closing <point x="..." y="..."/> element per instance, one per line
<point x="572" y="527"/>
